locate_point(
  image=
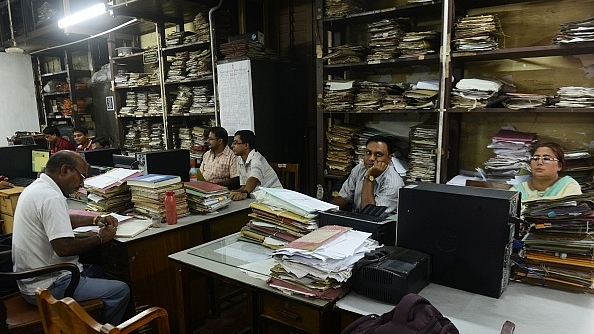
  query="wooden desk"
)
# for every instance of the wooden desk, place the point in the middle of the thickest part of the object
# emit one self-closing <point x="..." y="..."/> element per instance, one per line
<point x="8" y="201"/>
<point x="142" y="261"/>
<point x="270" y="310"/>
<point x="533" y="309"/>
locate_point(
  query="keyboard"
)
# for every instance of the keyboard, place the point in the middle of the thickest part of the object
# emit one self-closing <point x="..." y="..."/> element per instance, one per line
<point x="21" y="181"/>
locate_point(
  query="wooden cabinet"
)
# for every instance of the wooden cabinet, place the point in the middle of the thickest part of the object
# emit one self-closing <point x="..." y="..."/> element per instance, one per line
<point x="8" y="201"/>
<point x="526" y="57"/>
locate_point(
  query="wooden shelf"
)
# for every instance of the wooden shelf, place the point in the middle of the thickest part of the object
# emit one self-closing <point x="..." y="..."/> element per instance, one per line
<point x="526" y="52"/>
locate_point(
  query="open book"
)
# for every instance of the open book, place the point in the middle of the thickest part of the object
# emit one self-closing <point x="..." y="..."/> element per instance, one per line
<point x="126" y="229"/>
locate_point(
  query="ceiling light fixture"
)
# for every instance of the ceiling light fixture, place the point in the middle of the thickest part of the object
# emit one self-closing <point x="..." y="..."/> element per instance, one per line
<point x="83" y="15"/>
<point x="14" y="48"/>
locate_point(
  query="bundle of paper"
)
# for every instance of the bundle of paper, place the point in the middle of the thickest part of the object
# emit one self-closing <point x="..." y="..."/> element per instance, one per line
<point x="575" y="97"/>
<point x="422" y="156"/>
<point x="340" y="8"/>
<point x="340" y="158"/>
<point x="477" y="33"/>
<point x="339" y="95"/>
<point x="206" y="197"/>
<point x="321" y="261"/>
<point x="148" y="194"/>
<point x="419" y="43"/>
<point x="384" y="38"/>
<point x="344" y="54"/>
<point x="576" y="32"/>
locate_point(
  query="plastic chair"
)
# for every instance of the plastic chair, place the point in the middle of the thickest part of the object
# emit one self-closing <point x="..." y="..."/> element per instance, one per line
<point x="68" y="317"/>
<point x="288" y="174"/>
<point x="19" y="316"/>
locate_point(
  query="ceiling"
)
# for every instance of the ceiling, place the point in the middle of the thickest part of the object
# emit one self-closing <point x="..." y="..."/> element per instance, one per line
<point x="146" y="12"/>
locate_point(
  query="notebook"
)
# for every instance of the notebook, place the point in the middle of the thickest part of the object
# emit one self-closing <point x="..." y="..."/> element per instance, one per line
<point x="132" y="227"/>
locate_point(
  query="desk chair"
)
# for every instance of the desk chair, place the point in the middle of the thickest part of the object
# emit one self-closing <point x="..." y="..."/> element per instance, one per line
<point x="17" y="315"/>
<point x="68" y="317"/>
<point x="287" y="173"/>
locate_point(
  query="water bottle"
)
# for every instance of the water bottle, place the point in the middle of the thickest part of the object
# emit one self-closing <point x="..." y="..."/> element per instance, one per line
<point x="320" y="192"/>
<point x="193" y="171"/>
<point x="170" y="208"/>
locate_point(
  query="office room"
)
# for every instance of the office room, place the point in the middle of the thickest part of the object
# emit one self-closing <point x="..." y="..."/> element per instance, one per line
<point x="454" y="132"/>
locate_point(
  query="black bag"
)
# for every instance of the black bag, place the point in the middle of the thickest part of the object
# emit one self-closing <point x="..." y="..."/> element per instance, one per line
<point x="413" y="314"/>
<point x="9" y="286"/>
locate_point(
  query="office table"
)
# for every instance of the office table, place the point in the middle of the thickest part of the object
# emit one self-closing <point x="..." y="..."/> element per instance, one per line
<point x="534" y="309"/>
<point x="142" y="261"/>
<point x="269" y="310"/>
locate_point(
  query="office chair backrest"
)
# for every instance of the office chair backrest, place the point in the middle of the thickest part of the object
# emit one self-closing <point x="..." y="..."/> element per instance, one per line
<point x="68" y="317"/>
<point x="288" y="174"/>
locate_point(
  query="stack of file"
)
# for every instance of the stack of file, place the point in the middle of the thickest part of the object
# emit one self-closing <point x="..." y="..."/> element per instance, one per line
<point x="339" y="95"/>
<point x="346" y="54"/>
<point x="275" y="227"/>
<point x="201" y="26"/>
<point x="205" y="197"/>
<point x="199" y="64"/>
<point x="576" y="32"/>
<point x="108" y="192"/>
<point x="473" y="93"/>
<point x="340" y="158"/>
<point x="559" y="245"/>
<point x="419" y="43"/>
<point x="319" y="264"/>
<point x="369" y="95"/>
<point x="575" y="97"/>
<point x="177" y="69"/>
<point x="385" y="36"/>
<point x="477" y="33"/>
<point x="243" y="48"/>
<point x="341" y="8"/>
<point x="420" y="98"/>
<point x="517" y="101"/>
<point x="578" y="166"/>
<point x="202" y="100"/>
<point x="423" y="153"/>
<point x="183" y="100"/>
<point x="148" y="194"/>
<point x="512" y="151"/>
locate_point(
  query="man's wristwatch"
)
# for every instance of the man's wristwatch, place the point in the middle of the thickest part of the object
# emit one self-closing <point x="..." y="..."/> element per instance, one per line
<point x="370" y="178"/>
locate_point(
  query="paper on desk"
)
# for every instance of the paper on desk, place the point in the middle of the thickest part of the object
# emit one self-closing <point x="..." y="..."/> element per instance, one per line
<point x="258" y="269"/>
<point x="245" y="251"/>
<point x="112" y="178"/>
<point x="293" y="201"/>
<point x="92" y="228"/>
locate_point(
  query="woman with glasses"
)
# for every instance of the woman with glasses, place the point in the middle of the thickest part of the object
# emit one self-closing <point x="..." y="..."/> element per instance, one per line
<point x="546" y="163"/>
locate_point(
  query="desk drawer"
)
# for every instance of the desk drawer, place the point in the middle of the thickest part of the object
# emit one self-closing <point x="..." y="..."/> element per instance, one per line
<point x="291" y="313"/>
<point x="271" y="326"/>
<point x="8" y="222"/>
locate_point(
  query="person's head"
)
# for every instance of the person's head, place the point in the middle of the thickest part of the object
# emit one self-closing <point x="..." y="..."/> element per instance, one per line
<point x="243" y="142"/>
<point x="52" y="134"/>
<point x="378" y="148"/>
<point x="100" y="142"/>
<point x="68" y="169"/>
<point x="80" y="134"/>
<point x="547" y="160"/>
<point x="217" y="138"/>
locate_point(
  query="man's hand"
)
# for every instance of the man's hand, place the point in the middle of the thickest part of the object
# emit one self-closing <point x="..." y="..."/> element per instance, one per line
<point x="107" y="221"/>
<point x="377" y="169"/>
<point x="107" y="233"/>
<point x="238" y="195"/>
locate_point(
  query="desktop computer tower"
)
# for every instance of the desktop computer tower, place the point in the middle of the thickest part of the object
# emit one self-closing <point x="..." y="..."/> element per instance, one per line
<point x="466" y="230"/>
<point x="168" y="162"/>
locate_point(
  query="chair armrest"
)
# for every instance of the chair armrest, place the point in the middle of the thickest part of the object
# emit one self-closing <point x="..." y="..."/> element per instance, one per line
<point x="72" y="268"/>
<point x="144" y="318"/>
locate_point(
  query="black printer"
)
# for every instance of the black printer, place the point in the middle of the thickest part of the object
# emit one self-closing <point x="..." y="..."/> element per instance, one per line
<point x="388" y="273"/>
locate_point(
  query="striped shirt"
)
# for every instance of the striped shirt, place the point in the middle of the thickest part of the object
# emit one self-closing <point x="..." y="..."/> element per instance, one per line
<point x="257" y="166"/>
<point x="219" y="168"/>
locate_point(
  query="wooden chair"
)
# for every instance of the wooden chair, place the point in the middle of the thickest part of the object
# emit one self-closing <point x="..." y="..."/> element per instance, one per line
<point x="288" y="174"/>
<point x="68" y="317"/>
<point x="19" y="316"/>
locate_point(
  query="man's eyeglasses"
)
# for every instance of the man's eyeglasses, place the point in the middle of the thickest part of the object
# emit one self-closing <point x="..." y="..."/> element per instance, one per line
<point x="545" y="159"/>
<point x="236" y="143"/>
<point x="81" y="174"/>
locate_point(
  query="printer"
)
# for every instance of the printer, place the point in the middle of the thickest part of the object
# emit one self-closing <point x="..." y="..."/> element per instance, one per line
<point x="389" y="273"/>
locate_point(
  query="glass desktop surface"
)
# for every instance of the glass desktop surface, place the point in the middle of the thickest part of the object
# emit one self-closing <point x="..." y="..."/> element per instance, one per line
<point x="231" y="251"/>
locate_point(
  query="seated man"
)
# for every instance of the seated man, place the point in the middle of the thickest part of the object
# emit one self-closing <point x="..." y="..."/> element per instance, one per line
<point x="80" y="134"/>
<point x="219" y="164"/>
<point x="254" y="170"/>
<point x="100" y="143"/>
<point x="43" y="236"/>
<point x="371" y="181"/>
<point x="55" y="140"/>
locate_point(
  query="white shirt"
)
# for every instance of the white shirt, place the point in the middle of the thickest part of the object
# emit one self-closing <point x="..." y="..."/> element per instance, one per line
<point x="257" y="166"/>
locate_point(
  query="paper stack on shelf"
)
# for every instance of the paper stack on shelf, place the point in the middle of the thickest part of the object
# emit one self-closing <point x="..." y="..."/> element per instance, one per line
<point x="575" y="97"/>
<point x="419" y="43"/>
<point x="339" y="95"/>
<point x="205" y="197"/>
<point x="423" y="153"/>
<point x="340" y="158"/>
<point x="319" y="263"/>
<point x="558" y="247"/>
<point x="473" y="93"/>
<point x="340" y="8"/>
<point x="517" y="101"/>
<point x="578" y="165"/>
<point x="384" y="38"/>
<point x="576" y="32"/>
<point x="477" y="33"/>
<point x="346" y="54"/>
<point x="148" y="194"/>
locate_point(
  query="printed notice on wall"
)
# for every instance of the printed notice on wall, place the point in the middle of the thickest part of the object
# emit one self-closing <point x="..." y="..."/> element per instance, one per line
<point x="235" y="96"/>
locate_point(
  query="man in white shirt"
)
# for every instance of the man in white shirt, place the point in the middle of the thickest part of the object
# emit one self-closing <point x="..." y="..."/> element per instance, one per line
<point x="254" y="170"/>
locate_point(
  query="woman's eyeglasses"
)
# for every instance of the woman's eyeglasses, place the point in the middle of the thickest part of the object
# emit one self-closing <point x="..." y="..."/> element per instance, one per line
<point x="545" y="159"/>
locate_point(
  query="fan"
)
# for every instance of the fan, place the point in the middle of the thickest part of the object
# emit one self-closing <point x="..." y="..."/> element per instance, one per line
<point x="14" y="48"/>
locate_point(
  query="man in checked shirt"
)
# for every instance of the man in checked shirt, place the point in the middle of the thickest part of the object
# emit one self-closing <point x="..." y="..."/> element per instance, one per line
<point x="219" y="164"/>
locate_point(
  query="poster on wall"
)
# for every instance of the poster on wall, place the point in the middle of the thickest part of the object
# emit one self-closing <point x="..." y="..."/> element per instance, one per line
<point x="235" y="96"/>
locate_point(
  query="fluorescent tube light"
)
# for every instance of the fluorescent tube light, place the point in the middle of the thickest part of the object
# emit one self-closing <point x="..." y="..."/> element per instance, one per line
<point x="83" y="15"/>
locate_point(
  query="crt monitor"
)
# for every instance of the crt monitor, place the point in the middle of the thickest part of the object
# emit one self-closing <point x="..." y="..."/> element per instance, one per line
<point x="100" y="157"/>
<point x="125" y="161"/>
<point x="39" y="159"/>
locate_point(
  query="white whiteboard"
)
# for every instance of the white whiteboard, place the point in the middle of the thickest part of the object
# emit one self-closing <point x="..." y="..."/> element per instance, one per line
<point x="18" y="105"/>
<point x="235" y="96"/>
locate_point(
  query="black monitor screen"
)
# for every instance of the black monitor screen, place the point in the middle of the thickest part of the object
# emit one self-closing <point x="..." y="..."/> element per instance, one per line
<point x="15" y="161"/>
<point x="100" y="157"/>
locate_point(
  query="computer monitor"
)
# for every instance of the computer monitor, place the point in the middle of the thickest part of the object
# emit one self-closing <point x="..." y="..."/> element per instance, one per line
<point x="39" y="159"/>
<point x="27" y="140"/>
<point x="100" y="157"/>
<point x="15" y="161"/>
<point x="125" y="161"/>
